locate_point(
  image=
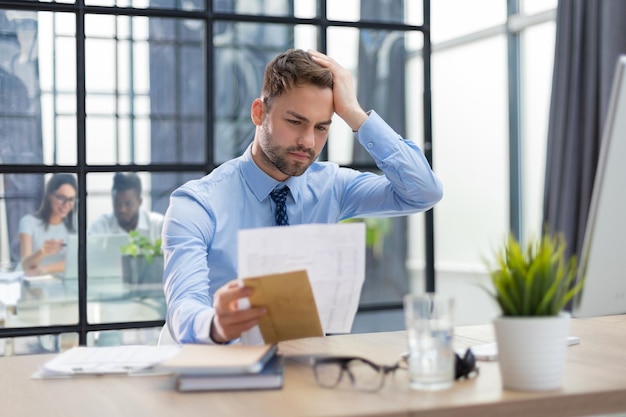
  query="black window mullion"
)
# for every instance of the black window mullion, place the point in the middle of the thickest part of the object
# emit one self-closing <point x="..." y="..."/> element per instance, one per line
<point x="429" y="218"/>
<point x="82" y="172"/>
<point x="209" y="82"/>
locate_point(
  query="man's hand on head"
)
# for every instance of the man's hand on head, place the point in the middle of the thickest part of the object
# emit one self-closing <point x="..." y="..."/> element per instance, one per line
<point x="229" y="321"/>
<point x="344" y="94"/>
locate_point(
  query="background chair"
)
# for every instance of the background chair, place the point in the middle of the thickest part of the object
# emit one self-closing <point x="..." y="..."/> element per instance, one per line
<point x="166" y="338"/>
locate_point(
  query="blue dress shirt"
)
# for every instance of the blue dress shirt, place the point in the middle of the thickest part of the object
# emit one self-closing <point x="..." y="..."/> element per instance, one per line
<point x="204" y="216"/>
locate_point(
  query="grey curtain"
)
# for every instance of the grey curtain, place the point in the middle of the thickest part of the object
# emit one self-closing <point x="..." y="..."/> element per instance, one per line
<point x="591" y="34"/>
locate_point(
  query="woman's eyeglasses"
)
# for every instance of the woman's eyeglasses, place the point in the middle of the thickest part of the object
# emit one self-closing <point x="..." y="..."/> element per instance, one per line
<point x="63" y="199"/>
<point x="363" y="374"/>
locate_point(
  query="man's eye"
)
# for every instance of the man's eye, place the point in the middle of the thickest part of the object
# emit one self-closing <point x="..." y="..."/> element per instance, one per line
<point x="294" y="122"/>
<point x="322" y="128"/>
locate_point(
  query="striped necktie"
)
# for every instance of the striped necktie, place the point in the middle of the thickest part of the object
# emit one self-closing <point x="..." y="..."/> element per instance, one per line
<point x="279" y="195"/>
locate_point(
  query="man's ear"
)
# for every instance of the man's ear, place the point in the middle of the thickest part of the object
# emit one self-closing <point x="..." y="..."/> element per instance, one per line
<point x="257" y="112"/>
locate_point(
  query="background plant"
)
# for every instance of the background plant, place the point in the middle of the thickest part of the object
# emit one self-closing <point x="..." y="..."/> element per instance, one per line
<point x="376" y="230"/>
<point x="536" y="280"/>
<point x="139" y="245"/>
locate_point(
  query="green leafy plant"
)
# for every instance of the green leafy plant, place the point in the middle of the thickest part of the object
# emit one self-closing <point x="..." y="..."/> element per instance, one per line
<point x="139" y="245"/>
<point x="536" y="280"/>
<point x="376" y="229"/>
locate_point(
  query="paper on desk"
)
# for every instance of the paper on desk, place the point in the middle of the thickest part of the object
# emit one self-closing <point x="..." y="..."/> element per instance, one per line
<point x="101" y="360"/>
<point x="10" y="293"/>
<point x="11" y="276"/>
<point x="332" y="254"/>
<point x="44" y="280"/>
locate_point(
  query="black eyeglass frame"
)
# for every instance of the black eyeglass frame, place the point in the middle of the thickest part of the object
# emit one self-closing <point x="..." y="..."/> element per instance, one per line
<point x="343" y="362"/>
<point x="63" y="200"/>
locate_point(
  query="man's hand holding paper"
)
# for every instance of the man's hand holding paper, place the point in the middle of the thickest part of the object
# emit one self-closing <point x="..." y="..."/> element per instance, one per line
<point x="229" y="320"/>
<point x="292" y="312"/>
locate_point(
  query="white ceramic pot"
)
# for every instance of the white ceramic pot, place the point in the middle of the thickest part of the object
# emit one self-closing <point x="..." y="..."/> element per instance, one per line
<point x="531" y="351"/>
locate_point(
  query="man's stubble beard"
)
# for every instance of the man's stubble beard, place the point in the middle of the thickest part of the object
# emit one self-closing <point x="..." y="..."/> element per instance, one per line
<point x="276" y="157"/>
<point x="130" y="224"/>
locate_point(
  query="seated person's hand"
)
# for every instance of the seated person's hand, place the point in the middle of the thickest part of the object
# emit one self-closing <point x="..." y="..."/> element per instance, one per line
<point x="230" y="321"/>
<point x="34" y="271"/>
<point x="52" y="246"/>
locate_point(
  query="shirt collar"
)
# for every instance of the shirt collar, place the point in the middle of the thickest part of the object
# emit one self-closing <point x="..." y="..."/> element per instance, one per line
<point x="142" y="222"/>
<point x="262" y="184"/>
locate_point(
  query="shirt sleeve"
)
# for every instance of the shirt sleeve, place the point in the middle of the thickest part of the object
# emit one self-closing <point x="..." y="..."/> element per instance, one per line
<point x="99" y="226"/>
<point x="408" y="185"/>
<point x="27" y="225"/>
<point x="187" y="232"/>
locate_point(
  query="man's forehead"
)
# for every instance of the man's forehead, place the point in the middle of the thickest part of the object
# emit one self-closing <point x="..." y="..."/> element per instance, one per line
<point x="128" y="193"/>
<point x="310" y="101"/>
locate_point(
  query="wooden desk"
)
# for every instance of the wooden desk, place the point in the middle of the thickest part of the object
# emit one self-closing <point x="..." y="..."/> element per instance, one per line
<point x="595" y="383"/>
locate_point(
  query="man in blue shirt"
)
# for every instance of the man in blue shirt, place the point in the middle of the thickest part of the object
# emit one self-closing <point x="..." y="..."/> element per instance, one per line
<point x="301" y="90"/>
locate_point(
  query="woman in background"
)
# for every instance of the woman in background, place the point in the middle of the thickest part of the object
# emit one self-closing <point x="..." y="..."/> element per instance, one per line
<point x="43" y="235"/>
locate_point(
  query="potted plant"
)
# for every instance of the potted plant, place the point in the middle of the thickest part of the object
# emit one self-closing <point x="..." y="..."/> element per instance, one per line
<point x="142" y="260"/>
<point x="532" y="286"/>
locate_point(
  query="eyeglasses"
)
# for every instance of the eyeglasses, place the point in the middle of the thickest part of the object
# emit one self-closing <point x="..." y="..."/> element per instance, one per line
<point x="63" y="199"/>
<point x="364" y="375"/>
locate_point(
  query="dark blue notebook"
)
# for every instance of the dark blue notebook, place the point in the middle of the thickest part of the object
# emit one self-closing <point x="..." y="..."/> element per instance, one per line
<point x="270" y="377"/>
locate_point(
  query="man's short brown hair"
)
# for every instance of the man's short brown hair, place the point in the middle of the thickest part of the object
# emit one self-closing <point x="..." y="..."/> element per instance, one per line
<point x="290" y="69"/>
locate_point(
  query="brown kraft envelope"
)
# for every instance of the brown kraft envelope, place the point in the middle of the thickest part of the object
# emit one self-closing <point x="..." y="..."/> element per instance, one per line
<point x="291" y="309"/>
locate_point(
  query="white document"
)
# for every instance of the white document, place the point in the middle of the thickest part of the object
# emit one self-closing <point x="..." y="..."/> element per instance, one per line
<point x="332" y="254"/>
<point x="83" y="360"/>
<point x="10" y="293"/>
<point x="11" y="276"/>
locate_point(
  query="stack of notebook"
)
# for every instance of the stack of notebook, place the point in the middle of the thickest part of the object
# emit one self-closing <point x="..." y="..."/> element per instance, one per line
<point x="225" y="367"/>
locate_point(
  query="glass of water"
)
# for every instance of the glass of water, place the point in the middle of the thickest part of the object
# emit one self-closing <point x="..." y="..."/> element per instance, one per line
<point x="429" y="324"/>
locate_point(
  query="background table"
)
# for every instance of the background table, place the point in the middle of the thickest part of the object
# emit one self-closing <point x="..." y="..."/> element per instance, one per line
<point x="54" y="301"/>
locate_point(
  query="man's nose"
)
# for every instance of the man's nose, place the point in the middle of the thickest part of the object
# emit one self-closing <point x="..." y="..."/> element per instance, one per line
<point x="308" y="138"/>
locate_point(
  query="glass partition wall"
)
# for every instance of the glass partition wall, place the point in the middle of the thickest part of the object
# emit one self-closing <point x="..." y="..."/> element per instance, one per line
<point x="161" y="90"/>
